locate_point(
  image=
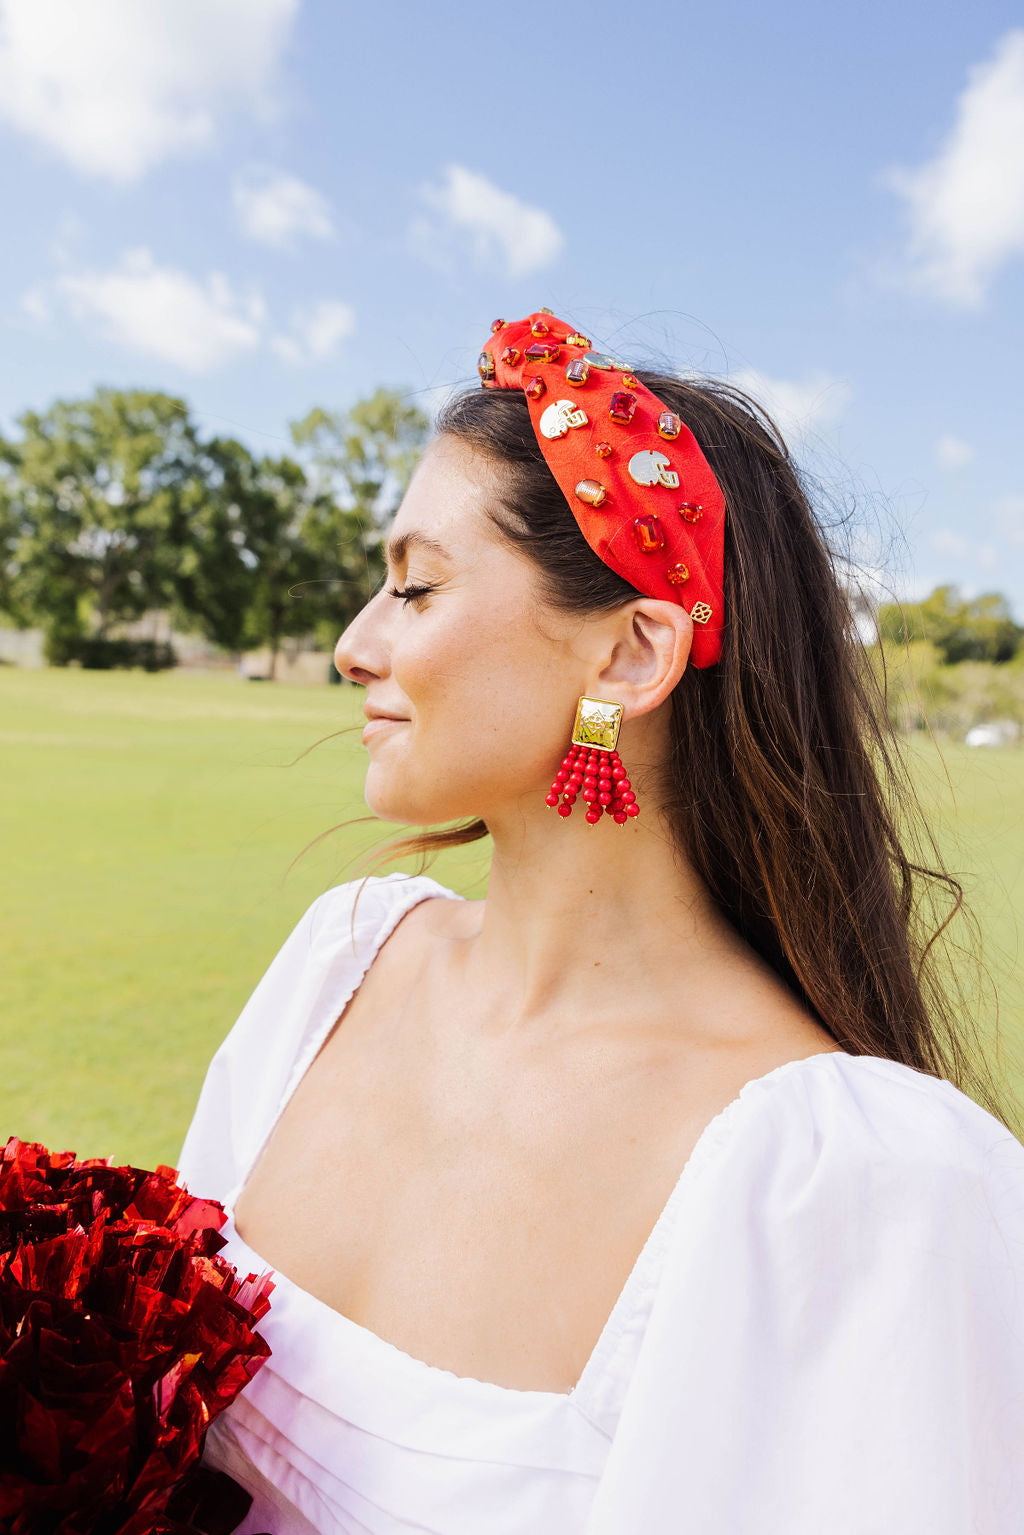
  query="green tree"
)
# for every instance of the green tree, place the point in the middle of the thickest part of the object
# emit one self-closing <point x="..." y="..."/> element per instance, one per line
<point x="361" y="462"/>
<point x="91" y="497"/>
<point x="262" y="560"/>
<point x="112" y="506"/>
<point x="982" y="629"/>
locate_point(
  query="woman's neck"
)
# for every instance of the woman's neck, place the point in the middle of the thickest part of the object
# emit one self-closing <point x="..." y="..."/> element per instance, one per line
<point x="590" y="923"/>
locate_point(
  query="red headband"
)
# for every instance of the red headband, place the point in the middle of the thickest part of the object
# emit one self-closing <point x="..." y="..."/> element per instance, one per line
<point x="638" y="485"/>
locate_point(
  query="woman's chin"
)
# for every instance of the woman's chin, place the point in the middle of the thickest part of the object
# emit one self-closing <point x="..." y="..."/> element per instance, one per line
<point x="387" y="803"/>
<point x="402" y="809"/>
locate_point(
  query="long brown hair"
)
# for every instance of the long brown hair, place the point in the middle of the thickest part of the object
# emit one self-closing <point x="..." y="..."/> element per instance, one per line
<point x="784" y="788"/>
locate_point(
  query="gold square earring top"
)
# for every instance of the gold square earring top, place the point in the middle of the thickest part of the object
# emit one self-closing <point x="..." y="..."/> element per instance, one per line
<point x="597" y="724"/>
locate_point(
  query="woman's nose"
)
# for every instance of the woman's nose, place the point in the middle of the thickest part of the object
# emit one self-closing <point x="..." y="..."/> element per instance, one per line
<point x="360" y="653"/>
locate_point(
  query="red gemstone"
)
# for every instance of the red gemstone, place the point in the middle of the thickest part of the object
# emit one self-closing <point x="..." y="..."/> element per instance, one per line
<point x="690" y="511"/>
<point x="510" y="356"/>
<point x="622" y="407"/>
<point x="539" y="327"/>
<point x="534" y="387"/>
<point x="648" y="533"/>
<point x="543" y="351"/>
<point x="603" y="449"/>
<point x="677" y="574"/>
<point x="497" y="325"/>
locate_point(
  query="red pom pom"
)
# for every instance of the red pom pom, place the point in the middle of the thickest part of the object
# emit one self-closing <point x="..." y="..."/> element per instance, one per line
<point x="123" y="1334"/>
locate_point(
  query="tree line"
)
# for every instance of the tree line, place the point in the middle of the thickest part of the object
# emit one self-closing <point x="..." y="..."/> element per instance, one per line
<point x="116" y="505"/>
<point x="950" y="663"/>
<point x="979" y="629"/>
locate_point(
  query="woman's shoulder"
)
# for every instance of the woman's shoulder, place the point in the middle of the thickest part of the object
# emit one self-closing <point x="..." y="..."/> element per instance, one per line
<point x="293" y="1003"/>
<point x="883" y="1108"/>
<point x="848" y="1260"/>
<point x="837" y="1138"/>
<point x="368" y="904"/>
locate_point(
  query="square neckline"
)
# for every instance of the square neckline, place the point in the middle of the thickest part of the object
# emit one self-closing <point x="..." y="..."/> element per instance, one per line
<point x="641" y="1279"/>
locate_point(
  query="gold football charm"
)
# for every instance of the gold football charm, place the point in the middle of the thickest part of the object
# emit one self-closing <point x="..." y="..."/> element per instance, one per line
<point x="591" y="492"/>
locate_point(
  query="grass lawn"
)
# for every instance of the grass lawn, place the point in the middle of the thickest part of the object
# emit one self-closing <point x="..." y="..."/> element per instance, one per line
<point x="148" y="827"/>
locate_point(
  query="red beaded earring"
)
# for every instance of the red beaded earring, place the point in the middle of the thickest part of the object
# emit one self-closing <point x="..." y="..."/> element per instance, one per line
<point x="594" y="767"/>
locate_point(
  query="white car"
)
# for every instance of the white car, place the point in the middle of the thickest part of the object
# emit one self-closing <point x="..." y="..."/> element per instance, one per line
<point x="995" y="733"/>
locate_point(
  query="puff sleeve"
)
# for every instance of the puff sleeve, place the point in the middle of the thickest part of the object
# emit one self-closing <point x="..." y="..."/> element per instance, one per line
<point x="245" y="1079"/>
<point x="836" y="1346"/>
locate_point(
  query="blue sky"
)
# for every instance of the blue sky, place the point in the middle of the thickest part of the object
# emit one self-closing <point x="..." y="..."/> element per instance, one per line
<point x="263" y="205"/>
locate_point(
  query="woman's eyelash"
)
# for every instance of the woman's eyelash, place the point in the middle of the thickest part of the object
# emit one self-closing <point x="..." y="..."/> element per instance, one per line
<point x="409" y="593"/>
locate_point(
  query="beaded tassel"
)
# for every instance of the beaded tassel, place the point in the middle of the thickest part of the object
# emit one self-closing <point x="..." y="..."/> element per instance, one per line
<point x="601" y="778"/>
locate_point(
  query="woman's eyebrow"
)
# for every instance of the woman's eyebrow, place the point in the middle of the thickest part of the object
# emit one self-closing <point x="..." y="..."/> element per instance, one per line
<point x="398" y="547"/>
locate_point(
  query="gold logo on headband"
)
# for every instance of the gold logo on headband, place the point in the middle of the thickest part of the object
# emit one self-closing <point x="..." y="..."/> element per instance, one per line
<point x="651" y="468"/>
<point x="560" y="416"/>
<point x="700" y="612"/>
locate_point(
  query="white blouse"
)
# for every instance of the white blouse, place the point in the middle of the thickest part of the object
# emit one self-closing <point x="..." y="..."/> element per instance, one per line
<point x="824" y="1331"/>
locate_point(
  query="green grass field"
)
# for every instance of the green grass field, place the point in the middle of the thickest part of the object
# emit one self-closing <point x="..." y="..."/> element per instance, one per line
<point x="148" y="827"/>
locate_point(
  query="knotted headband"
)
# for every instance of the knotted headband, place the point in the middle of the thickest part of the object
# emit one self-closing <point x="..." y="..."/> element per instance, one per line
<point x="639" y="486"/>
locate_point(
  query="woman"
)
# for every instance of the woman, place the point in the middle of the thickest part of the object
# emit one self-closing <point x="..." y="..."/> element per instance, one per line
<point x="643" y="1194"/>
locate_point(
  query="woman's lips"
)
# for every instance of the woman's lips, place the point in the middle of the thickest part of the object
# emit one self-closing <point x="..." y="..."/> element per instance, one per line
<point x="377" y="726"/>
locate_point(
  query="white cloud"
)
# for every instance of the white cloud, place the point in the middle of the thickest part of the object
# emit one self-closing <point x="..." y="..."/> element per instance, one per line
<point x="115" y="86"/>
<point x="966" y="205"/>
<point x="163" y="312"/>
<point x="953" y="452"/>
<point x="274" y="207"/>
<point x="316" y="332"/>
<point x="964" y="550"/>
<point x="797" y="407"/>
<point x="505" y="233"/>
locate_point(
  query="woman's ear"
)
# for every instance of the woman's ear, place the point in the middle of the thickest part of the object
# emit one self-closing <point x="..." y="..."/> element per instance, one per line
<point x="650" y="648"/>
